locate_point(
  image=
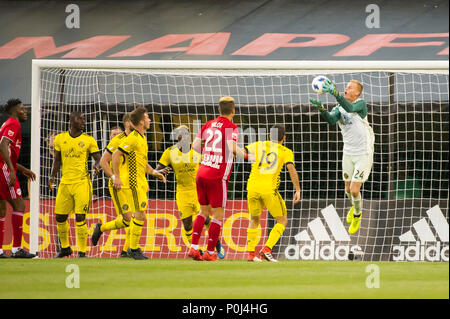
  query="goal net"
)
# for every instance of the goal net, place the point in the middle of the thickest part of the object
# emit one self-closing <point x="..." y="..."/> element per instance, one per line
<point x="405" y="200"/>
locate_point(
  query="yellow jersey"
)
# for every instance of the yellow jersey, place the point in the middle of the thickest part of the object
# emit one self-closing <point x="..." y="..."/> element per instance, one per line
<point x="134" y="169"/>
<point x="114" y="144"/>
<point x="270" y="159"/>
<point x="184" y="165"/>
<point x="75" y="153"/>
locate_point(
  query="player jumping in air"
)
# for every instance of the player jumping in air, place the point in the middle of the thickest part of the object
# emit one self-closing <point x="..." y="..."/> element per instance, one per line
<point x="262" y="190"/>
<point x="185" y="162"/>
<point x="351" y="116"/>
<point x="217" y="142"/>
<point x="72" y="150"/>
<point x="11" y="140"/>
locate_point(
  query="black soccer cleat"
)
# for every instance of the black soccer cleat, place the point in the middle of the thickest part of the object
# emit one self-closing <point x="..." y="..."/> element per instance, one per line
<point x="96" y="234"/>
<point x="4" y="255"/>
<point x="20" y="253"/>
<point x="124" y="254"/>
<point x="136" y="254"/>
<point x="81" y="254"/>
<point x="64" y="252"/>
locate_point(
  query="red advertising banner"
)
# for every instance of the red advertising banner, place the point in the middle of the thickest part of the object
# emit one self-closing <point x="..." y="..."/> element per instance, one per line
<point x="162" y="235"/>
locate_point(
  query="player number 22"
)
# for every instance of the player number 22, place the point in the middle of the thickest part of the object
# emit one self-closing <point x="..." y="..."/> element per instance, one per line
<point x="217" y="140"/>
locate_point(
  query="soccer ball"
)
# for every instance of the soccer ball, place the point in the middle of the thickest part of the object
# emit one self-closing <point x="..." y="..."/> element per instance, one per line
<point x="317" y="83"/>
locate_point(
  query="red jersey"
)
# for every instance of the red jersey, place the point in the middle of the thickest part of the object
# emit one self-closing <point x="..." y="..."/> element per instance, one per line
<point x="217" y="160"/>
<point x="11" y="130"/>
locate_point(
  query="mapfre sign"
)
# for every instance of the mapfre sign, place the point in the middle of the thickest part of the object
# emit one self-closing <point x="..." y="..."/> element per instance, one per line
<point x="214" y="44"/>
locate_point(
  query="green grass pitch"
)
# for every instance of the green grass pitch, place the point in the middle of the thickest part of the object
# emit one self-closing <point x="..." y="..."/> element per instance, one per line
<point x="227" y="279"/>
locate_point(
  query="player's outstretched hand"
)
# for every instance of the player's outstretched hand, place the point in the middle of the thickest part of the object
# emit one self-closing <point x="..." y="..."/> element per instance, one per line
<point x="160" y="176"/>
<point x="329" y="87"/>
<point x="166" y="170"/>
<point x="96" y="170"/>
<point x="28" y="173"/>
<point x="51" y="185"/>
<point x="251" y="158"/>
<point x="296" y="197"/>
<point x="317" y="104"/>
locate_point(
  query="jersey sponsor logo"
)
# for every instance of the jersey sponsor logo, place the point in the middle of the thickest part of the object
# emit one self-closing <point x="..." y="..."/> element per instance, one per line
<point x="213" y="161"/>
<point x="427" y="247"/>
<point x="322" y="246"/>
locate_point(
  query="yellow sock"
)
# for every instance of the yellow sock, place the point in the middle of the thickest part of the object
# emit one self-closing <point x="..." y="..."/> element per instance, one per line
<point x="275" y="235"/>
<point x="63" y="233"/>
<point x="252" y="233"/>
<point x="127" y="239"/>
<point x="82" y="235"/>
<point x="117" y="223"/>
<point x="135" y="232"/>
<point x="188" y="235"/>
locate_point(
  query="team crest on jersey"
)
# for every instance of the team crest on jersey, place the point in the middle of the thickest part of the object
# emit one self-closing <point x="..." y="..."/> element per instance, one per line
<point x="125" y="207"/>
<point x="19" y="192"/>
<point x="10" y="133"/>
<point x="345" y="175"/>
<point x="143" y="204"/>
<point x="81" y="144"/>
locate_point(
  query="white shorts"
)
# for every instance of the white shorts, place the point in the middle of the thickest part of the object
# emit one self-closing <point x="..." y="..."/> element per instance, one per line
<point x="356" y="168"/>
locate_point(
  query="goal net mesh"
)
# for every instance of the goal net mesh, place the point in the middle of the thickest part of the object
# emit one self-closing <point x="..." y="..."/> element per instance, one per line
<point x="405" y="199"/>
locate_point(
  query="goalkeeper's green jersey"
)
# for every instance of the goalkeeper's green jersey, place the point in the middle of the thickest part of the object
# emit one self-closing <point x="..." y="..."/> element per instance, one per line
<point x="356" y="132"/>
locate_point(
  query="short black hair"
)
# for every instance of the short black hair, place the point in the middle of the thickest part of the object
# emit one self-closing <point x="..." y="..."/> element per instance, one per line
<point x="11" y="104"/>
<point x="74" y="114"/>
<point x="277" y="132"/>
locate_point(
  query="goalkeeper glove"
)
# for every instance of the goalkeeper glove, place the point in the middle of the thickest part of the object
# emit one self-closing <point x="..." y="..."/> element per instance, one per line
<point x="329" y="87"/>
<point x="317" y="104"/>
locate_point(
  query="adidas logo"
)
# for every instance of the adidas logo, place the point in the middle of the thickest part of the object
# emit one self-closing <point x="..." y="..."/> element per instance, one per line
<point x="422" y="250"/>
<point x="313" y="248"/>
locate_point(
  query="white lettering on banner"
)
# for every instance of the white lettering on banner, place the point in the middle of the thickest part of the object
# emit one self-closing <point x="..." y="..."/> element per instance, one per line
<point x="316" y="249"/>
<point x="427" y="247"/>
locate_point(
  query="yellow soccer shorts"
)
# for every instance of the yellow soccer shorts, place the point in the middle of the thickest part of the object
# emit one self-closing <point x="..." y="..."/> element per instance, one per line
<point x="256" y="202"/>
<point x="187" y="203"/>
<point x="74" y="198"/>
<point x="130" y="200"/>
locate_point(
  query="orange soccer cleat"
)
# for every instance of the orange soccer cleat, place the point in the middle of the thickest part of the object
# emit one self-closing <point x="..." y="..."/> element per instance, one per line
<point x="195" y="254"/>
<point x="266" y="253"/>
<point x="252" y="257"/>
<point x="208" y="257"/>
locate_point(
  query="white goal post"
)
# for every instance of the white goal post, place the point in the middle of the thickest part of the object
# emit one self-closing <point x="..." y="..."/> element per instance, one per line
<point x="301" y="229"/>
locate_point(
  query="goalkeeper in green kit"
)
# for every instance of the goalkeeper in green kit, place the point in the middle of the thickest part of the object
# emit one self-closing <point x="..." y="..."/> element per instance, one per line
<point x="351" y="116"/>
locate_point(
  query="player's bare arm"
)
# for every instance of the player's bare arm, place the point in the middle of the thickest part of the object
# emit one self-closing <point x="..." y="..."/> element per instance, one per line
<point x="295" y="181"/>
<point x="96" y="166"/>
<point x="4" y="152"/>
<point x="116" y="157"/>
<point x="153" y="172"/>
<point x="240" y="152"/>
<point x="105" y="160"/>
<point x="28" y="173"/>
<point x="55" y="169"/>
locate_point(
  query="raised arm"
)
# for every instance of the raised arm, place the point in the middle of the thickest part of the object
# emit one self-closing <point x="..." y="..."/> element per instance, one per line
<point x="331" y="117"/>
